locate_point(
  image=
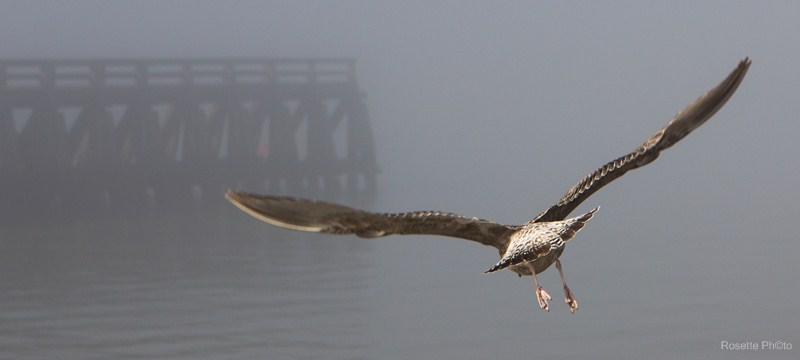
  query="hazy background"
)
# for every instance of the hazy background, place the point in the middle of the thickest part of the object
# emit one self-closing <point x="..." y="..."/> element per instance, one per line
<point x="491" y="110"/>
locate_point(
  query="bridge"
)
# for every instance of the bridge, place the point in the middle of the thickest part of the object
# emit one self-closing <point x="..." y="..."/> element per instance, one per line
<point x="143" y="133"/>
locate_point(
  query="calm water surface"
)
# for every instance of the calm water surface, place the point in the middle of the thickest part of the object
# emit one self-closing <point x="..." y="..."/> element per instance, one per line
<point x="214" y="284"/>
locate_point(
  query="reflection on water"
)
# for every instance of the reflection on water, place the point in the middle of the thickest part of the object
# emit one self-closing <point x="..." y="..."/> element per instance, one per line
<point x="196" y="286"/>
<point x="215" y="283"/>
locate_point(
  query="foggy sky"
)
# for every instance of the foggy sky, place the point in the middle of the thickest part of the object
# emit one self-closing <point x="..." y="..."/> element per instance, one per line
<point x="495" y="110"/>
<point x="549" y="90"/>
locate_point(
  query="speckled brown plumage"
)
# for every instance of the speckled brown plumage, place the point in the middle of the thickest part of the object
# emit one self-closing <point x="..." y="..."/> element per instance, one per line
<point x="538" y="239"/>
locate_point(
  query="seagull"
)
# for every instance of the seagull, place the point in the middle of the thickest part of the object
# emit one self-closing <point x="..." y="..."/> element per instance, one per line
<point x="527" y="249"/>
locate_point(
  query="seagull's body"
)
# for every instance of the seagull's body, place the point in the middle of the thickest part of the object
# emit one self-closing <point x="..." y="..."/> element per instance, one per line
<point x="527" y="249"/>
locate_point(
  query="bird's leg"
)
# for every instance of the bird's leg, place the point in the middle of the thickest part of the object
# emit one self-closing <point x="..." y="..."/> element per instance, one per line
<point x="541" y="295"/>
<point x="569" y="298"/>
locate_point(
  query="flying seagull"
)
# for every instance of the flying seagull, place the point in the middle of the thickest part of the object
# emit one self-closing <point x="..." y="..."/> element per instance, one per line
<point x="527" y="249"/>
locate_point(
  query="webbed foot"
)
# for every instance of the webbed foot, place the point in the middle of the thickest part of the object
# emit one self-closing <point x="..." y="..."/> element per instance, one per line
<point x="543" y="298"/>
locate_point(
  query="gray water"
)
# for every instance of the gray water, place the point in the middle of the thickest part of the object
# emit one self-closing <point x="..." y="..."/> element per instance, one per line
<point x="215" y="283"/>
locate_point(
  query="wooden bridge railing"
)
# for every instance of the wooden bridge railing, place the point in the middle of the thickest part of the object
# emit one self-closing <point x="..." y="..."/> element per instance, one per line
<point x="128" y="133"/>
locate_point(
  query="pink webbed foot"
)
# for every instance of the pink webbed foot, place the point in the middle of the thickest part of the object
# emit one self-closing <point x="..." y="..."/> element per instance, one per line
<point x="543" y="298"/>
<point x="569" y="298"/>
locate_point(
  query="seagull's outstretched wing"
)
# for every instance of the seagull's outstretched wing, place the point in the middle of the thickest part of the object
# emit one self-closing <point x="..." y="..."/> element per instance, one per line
<point x="319" y="216"/>
<point x="681" y="125"/>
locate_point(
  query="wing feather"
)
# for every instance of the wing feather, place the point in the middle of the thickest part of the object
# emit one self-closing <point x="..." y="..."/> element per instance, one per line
<point x="688" y="119"/>
<point x="325" y="217"/>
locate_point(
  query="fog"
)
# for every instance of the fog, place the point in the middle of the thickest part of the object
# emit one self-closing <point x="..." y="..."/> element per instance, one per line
<point x="483" y="109"/>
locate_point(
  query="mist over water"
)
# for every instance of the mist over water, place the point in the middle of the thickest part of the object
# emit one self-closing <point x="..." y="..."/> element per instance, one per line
<point x="475" y="108"/>
<point x="215" y="283"/>
<point x="176" y="287"/>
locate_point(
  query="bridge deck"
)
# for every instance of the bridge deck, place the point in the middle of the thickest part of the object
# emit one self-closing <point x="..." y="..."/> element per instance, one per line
<point x="170" y="129"/>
